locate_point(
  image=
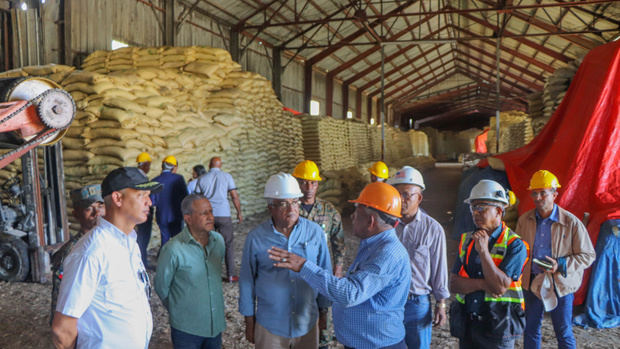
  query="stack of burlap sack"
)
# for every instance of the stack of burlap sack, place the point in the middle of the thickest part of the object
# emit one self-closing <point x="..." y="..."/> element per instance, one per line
<point x="515" y="131"/>
<point x="419" y="143"/>
<point x="190" y="102"/>
<point x="336" y="144"/>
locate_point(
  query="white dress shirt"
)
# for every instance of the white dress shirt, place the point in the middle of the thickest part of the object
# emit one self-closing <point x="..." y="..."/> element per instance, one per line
<point x="105" y="286"/>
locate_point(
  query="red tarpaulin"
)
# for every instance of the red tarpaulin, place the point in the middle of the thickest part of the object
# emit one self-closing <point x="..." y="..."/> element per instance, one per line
<point x="580" y="144"/>
<point x="481" y="141"/>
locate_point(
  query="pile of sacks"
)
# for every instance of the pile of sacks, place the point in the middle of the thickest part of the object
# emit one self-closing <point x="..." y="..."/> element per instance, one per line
<point x="190" y="102"/>
<point x="419" y="143"/>
<point x="337" y="144"/>
<point x="556" y="86"/>
<point x="515" y="129"/>
<point x="543" y="104"/>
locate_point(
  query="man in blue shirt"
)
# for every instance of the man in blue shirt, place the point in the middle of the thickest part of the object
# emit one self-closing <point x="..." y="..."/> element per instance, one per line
<point x="168" y="202"/>
<point x="216" y="185"/>
<point x="369" y="302"/>
<point x="280" y="309"/>
<point x="487" y="275"/>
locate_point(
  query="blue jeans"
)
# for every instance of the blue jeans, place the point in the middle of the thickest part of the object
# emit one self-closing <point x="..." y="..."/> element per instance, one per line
<point x="184" y="340"/>
<point x="418" y="322"/>
<point x="399" y="345"/>
<point x="561" y="317"/>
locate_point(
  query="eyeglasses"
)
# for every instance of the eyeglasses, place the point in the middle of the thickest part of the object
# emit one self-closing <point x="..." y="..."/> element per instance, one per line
<point x="286" y="204"/>
<point x="144" y="277"/>
<point x="480" y="207"/>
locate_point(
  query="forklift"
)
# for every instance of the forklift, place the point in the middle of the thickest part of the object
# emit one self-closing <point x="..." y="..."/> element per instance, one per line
<point x="35" y="114"/>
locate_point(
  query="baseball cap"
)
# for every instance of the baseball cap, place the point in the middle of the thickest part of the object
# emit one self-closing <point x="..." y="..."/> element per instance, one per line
<point x="86" y="195"/>
<point x="127" y="177"/>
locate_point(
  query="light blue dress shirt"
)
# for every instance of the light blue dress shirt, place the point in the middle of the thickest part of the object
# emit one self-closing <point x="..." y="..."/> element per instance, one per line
<point x="369" y="303"/>
<point x="281" y="301"/>
<point x="215" y="185"/>
<point x="542" y="242"/>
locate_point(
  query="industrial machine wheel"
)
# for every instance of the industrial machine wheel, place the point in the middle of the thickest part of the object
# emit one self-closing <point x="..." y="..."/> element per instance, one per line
<point x="14" y="261"/>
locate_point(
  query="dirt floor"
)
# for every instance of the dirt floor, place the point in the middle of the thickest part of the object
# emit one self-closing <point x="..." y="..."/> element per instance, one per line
<point x="24" y="319"/>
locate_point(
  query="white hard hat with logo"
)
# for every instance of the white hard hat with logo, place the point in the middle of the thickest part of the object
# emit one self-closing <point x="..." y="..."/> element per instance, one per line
<point x="282" y="186"/>
<point x="490" y="190"/>
<point x="407" y="175"/>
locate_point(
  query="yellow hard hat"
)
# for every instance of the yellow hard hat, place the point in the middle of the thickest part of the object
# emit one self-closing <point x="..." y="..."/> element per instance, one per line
<point x="308" y="170"/>
<point x="544" y="179"/>
<point x="171" y="160"/>
<point x="143" y="157"/>
<point x="379" y="169"/>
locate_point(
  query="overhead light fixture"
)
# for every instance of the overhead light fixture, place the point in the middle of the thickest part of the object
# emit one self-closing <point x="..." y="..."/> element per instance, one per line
<point x="24" y="6"/>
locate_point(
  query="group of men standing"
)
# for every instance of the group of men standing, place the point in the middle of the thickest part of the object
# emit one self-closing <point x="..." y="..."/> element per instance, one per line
<point x="292" y="270"/>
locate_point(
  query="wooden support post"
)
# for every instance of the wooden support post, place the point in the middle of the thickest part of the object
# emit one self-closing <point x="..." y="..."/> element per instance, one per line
<point x="369" y="108"/>
<point x="276" y="72"/>
<point x="307" y="87"/>
<point x="234" y="45"/>
<point x="169" y="26"/>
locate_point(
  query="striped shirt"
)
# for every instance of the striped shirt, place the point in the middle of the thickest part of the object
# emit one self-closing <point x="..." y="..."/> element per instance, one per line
<point x="369" y="303"/>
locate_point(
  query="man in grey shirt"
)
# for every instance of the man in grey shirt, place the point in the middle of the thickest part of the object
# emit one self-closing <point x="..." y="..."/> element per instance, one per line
<point x="216" y="185"/>
<point x="425" y="240"/>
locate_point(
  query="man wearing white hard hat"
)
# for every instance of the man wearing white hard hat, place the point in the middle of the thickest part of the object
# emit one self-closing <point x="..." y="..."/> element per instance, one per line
<point x="281" y="310"/>
<point x="425" y="241"/>
<point x="489" y="308"/>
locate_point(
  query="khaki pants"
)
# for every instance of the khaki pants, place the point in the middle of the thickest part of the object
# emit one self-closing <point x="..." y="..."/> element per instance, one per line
<point x="267" y="340"/>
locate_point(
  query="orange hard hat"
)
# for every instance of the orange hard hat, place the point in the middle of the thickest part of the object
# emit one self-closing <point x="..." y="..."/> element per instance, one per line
<point x="382" y="197"/>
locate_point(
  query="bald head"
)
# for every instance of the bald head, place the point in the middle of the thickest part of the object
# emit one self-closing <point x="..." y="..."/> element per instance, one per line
<point x="215" y="162"/>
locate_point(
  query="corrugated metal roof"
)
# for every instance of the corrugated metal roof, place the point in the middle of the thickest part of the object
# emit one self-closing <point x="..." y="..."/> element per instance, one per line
<point x="429" y="44"/>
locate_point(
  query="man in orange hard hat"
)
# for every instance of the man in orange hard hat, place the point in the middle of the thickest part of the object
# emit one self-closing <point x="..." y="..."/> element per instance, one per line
<point x="561" y="251"/>
<point x="369" y="302"/>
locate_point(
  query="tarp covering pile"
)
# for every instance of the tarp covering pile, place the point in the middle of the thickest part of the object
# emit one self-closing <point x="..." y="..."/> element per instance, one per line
<point x="580" y="144"/>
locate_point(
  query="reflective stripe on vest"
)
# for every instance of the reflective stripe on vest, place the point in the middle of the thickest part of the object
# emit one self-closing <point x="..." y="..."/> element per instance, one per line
<point x="514" y="293"/>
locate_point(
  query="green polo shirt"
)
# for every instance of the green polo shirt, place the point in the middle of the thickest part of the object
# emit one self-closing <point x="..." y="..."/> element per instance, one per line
<point x="189" y="283"/>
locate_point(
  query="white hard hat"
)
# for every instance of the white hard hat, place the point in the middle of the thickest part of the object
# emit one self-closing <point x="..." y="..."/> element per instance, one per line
<point x="487" y="189"/>
<point x="407" y="175"/>
<point x="282" y="186"/>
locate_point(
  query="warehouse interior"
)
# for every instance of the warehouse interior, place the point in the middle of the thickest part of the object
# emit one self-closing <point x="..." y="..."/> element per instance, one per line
<point x="445" y="86"/>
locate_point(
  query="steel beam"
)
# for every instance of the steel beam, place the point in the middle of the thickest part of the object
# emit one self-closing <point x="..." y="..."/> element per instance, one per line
<point x="276" y="72"/>
<point x="517" y="78"/>
<point x="404" y="76"/>
<point x="307" y="87"/>
<point x="348" y="39"/>
<point x="575" y="39"/>
<point x="549" y="52"/>
<point x="512" y="52"/>
<point x="505" y="62"/>
<point x="358" y="104"/>
<point x="446" y="10"/>
<point x="389" y="58"/>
